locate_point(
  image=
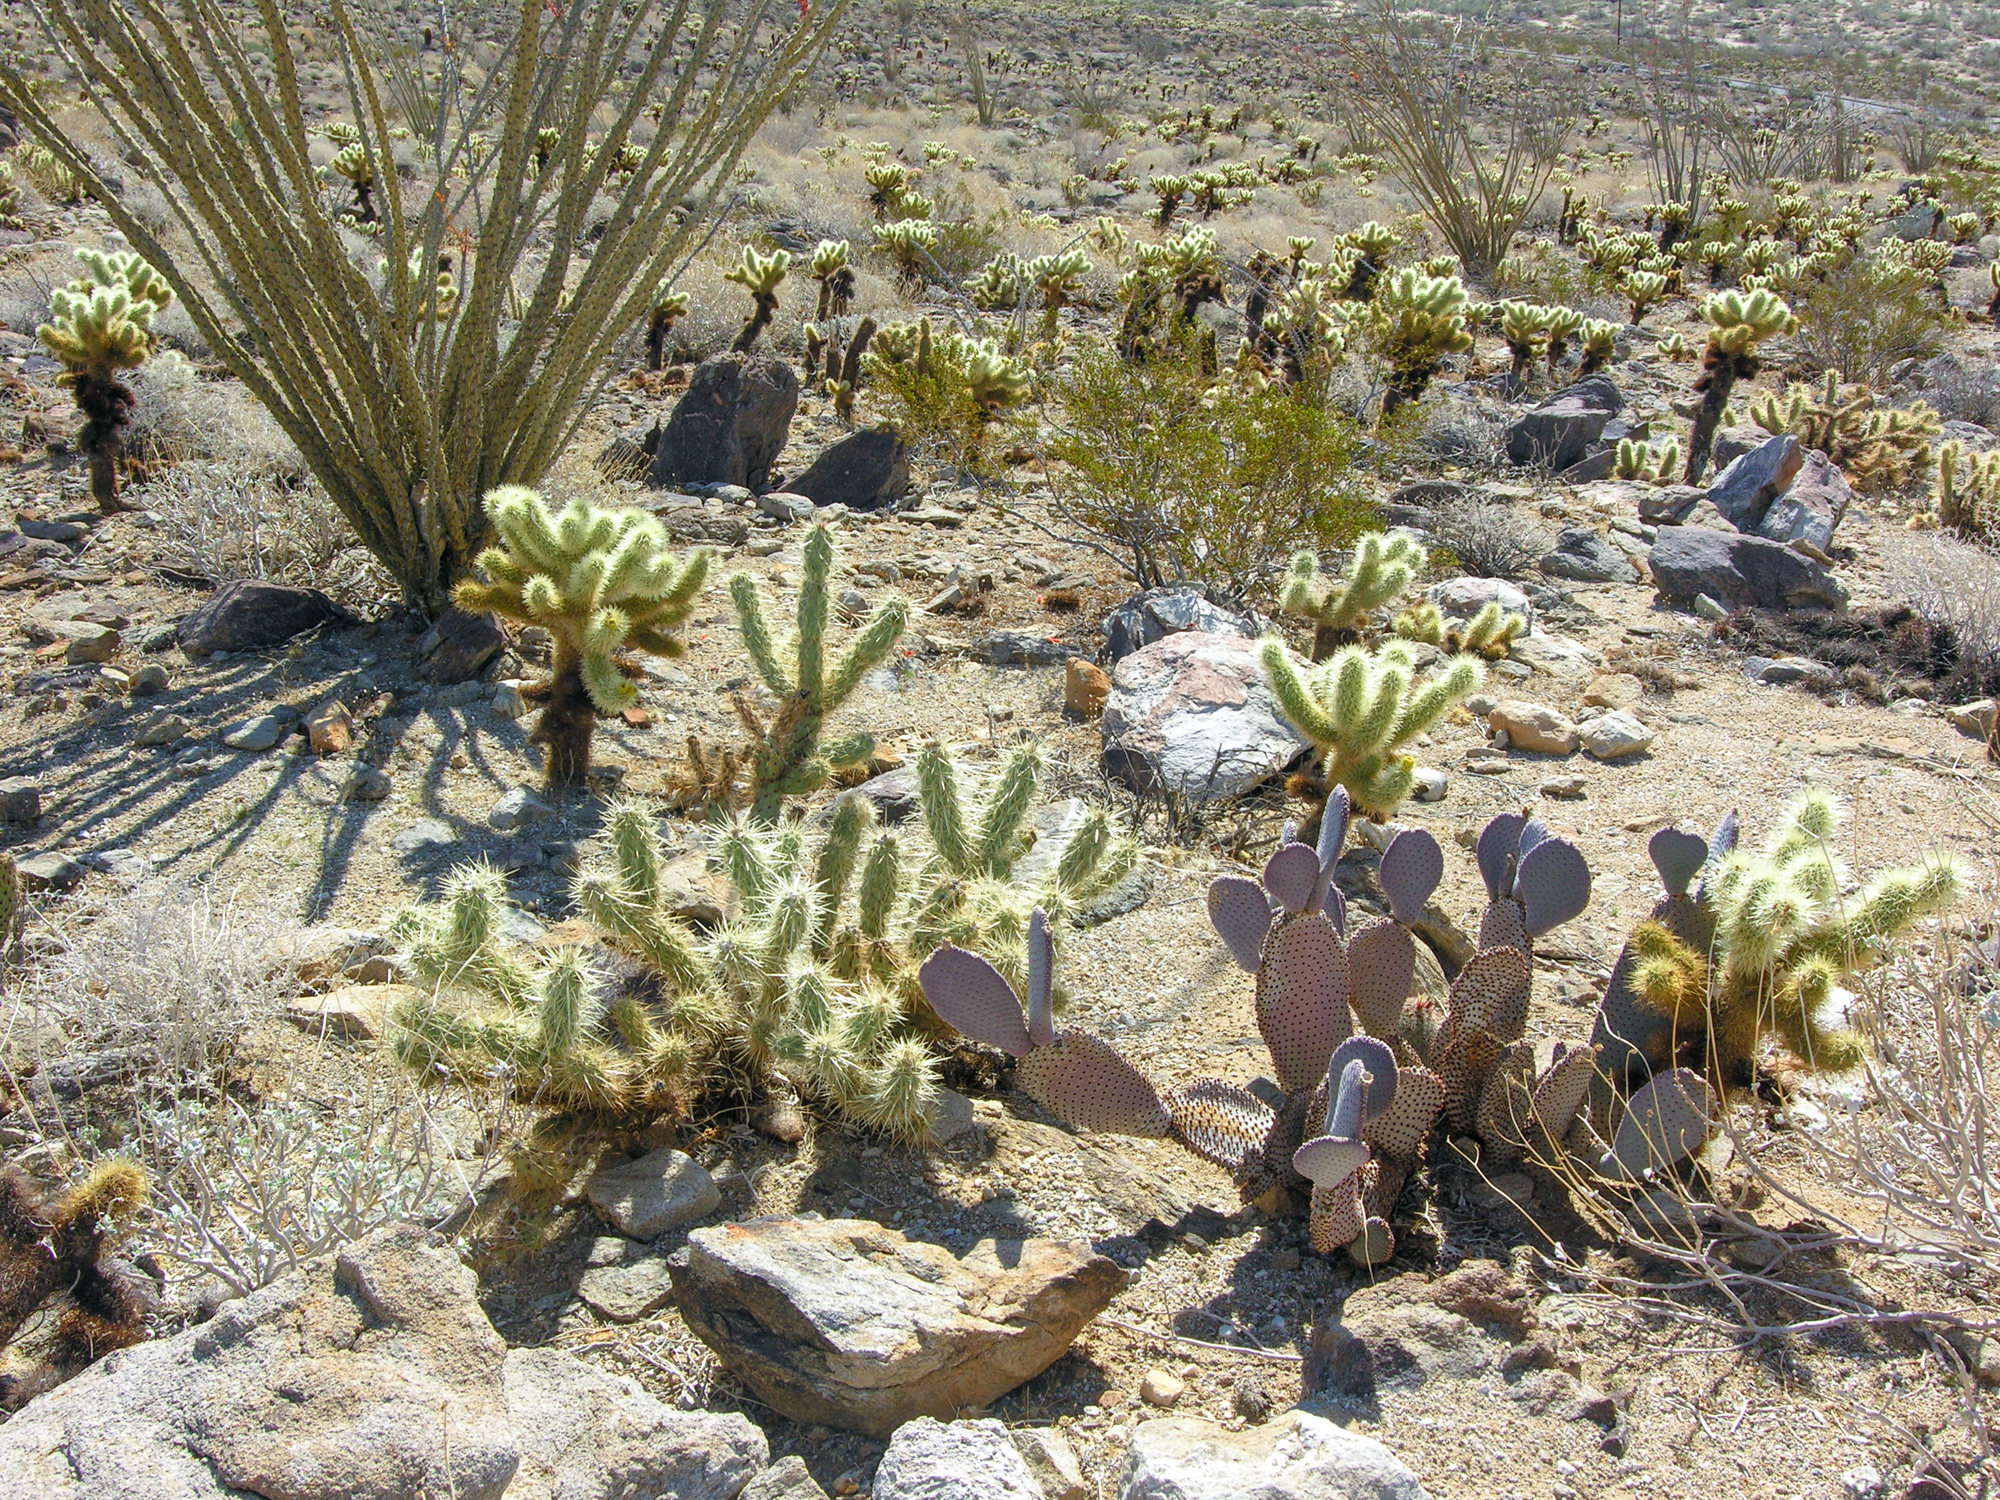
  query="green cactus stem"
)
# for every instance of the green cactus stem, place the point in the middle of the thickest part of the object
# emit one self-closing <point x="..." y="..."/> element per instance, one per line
<point x="1382" y="567"/>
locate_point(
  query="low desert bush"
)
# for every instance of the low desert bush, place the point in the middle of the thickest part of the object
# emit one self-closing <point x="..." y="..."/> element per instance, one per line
<point x="182" y="416"/>
<point x="1489" y="539"/>
<point x="1949" y="583"/>
<point x="1866" y="316"/>
<point x="242" y="518"/>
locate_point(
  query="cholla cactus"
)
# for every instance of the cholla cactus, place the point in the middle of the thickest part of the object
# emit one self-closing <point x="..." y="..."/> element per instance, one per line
<point x="10" y="903"/>
<point x="892" y="192"/>
<point x="1642" y="290"/>
<point x="63" y="1243"/>
<point x="830" y="268"/>
<point x="1964" y="228"/>
<point x="908" y="243"/>
<point x="1110" y="238"/>
<point x="1417" y="322"/>
<point x="432" y="291"/>
<point x="787" y="758"/>
<point x="1374" y="242"/>
<point x="1739" y="323"/>
<point x="1673" y="346"/>
<point x="1001" y="285"/>
<point x="1715" y="256"/>
<point x="1993" y="307"/>
<point x="353" y="163"/>
<point x="101" y="326"/>
<point x="1170" y="189"/>
<point x="760" y="275"/>
<point x="1600" y="342"/>
<point x="599" y="582"/>
<point x="1524" y="325"/>
<point x="1873" y="447"/>
<point x="669" y="307"/>
<point x="1381" y="569"/>
<point x="1562" y="324"/>
<point x="1056" y="278"/>
<point x="1784" y="937"/>
<point x="1489" y="633"/>
<point x="1968" y="506"/>
<point x="1360" y="708"/>
<point x="1649" y="463"/>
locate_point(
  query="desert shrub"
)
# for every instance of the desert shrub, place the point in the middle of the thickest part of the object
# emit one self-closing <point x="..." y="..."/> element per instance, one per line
<point x="1181" y="478"/>
<point x="1868" y="314"/>
<point x="1963" y="390"/>
<point x="1489" y="539"/>
<point x="245" y="518"/>
<point x="943" y="389"/>
<point x="1953" y="584"/>
<point x="181" y="416"/>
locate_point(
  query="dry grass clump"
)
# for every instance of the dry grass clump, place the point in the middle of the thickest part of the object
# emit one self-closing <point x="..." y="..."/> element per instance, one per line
<point x="1489" y="539"/>
<point x="246" y="518"/>
<point x="1949" y="583"/>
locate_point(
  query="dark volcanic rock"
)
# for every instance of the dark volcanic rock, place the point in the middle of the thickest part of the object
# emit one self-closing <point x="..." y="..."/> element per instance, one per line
<point x="730" y="426"/>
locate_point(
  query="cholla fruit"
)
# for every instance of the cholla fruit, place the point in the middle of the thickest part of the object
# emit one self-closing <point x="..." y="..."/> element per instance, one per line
<point x="598" y="581"/>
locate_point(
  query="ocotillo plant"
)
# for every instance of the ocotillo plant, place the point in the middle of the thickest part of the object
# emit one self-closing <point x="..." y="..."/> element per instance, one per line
<point x="1739" y="324"/>
<point x="787" y="757"/>
<point x="760" y="275"/>
<point x="1784" y="938"/>
<point x="1382" y="567"/>
<point x="101" y="326"/>
<point x="62" y="1243"/>
<point x="1361" y="707"/>
<point x="599" y="582"/>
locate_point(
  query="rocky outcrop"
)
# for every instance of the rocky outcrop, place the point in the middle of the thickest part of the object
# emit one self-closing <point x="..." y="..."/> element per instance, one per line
<point x="730" y="426"/>
<point x="1191" y="715"/>
<point x="1739" y="571"/>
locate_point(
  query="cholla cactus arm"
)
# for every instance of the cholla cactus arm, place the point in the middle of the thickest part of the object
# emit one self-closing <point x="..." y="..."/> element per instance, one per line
<point x="598" y="581"/>
<point x="760" y="275"/>
<point x="1422" y="622"/>
<point x="1380" y="570"/>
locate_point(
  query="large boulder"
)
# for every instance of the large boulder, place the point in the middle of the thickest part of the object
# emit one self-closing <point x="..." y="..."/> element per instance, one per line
<point x="848" y="1324"/>
<point x="248" y="614"/>
<point x="865" y="470"/>
<point x="1299" y="1456"/>
<point x="1744" y="490"/>
<point x="1739" y="571"/>
<point x="1558" y="432"/>
<point x="1191" y="714"/>
<point x="1582" y="556"/>
<point x="730" y="425"/>
<point x="1811" y="508"/>
<point x="1164" y="611"/>
<point x="372" y="1372"/>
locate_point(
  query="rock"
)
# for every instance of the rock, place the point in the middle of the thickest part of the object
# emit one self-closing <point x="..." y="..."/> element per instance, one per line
<point x="1862" y="1482"/>
<point x="518" y="809"/>
<point x="1554" y="655"/>
<point x="1709" y="608"/>
<point x="1731" y="443"/>
<point x="261" y="733"/>
<point x="1175" y="607"/>
<point x="624" y="1280"/>
<point x="50" y="872"/>
<point x="508" y="701"/>
<point x="161" y="729"/>
<point x="88" y="642"/>
<point x="730" y="426"/>
<point x="20" y="800"/>
<point x="1085" y="687"/>
<point x="359" y="1012"/>
<point x="149" y="679"/>
<point x="126" y="864"/>
<point x="930" y="1460"/>
<point x="1459" y="599"/>
<point x="1533" y="726"/>
<point x="1785" y="671"/>
<point x="426" y="836"/>
<point x="848" y="1324"/>
<point x="1811" y="508"/>
<point x="782" y="506"/>
<point x="367" y="784"/>
<point x="1739" y="571"/>
<point x="1744" y="490"/>
<point x="894" y="793"/>
<point x="1581" y="554"/>
<point x="1614" y="690"/>
<point x="1299" y="1456"/>
<point x="1052" y="1462"/>
<point x="1431" y="785"/>
<point x="1565" y="788"/>
<point x="326" y="1384"/>
<point x="1669" y="504"/>
<point x="1559" y="431"/>
<point x="67" y="532"/>
<point x="866" y="470"/>
<point x="248" y="614"/>
<point x="1190" y="714"/>
<point x="459" y="645"/>
<point x="660" y="1191"/>
<point x="1614" y="735"/>
<point x="1974" y="718"/>
<point x="787" y="1479"/>
<point x="586" y="1435"/>
<point x="330" y="728"/>
<point x="1161" y="1389"/>
<point x="1021" y="648"/>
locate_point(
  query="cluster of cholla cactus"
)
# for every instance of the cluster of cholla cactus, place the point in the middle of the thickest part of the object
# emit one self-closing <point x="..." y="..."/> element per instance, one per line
<point x="1747" y="944"/>
<point x="1649" y="463"/>
<point x="1873" y="446"/>
<point x="63" y="1243"/>
<point x="1739" y="322"/>
<point x="1365" y="1057"/>
<point x="908" y="243"/>
<point x="1007" y="283"/>
<point x="353" y="163"/>
<point x="965" y="383"/>
<point x="1380" y="571"/>
<point x="600" y="582"/>
<point x="789" y="756"/>
<point x="101" y="326"/>
<point x="1490" y="632"/>
<point x="760" y="276"/>
<point x="1162" y="293"/>
<point x="1968" y="505"/>
<point x="810" y="984"/>
<point x="1417" y="321"/>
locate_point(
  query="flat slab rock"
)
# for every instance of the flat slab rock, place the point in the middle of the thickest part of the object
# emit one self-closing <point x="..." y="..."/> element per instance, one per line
<point x="1739" y="571"/>
<point x="1191" y="714"/>
<point x="848" y="1324"/>
<point x="1298" y="1456"/>
<point x="330" y="1384"/>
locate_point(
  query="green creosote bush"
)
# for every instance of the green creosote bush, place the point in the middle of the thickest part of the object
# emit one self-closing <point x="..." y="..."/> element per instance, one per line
<point x="409" y="422"/>
<point x="101" y="326"/>
<point x="1181" y="476"/>
<point x="599" y="582"/>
